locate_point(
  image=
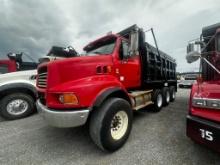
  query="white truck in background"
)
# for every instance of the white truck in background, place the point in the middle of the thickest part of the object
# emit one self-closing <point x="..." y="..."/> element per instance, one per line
<point x="188" y="80"/>
<point x="17" y="94"/>
<point x="18" y="89"/>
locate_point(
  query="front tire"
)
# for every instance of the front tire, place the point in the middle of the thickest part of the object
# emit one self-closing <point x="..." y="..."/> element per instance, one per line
<point x="180" y="86"/>
<point x="16" y="106"/>
<point x="110" y="125"/>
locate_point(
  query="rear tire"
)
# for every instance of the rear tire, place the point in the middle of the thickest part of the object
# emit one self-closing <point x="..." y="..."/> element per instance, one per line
<point x="110" y="125"/>
<point x="16" y="106"/>
<point x="172" y="93"/>
<point x="180" y="86"/>
<point x="157" y="98"/>
<point x="166" y="96"/>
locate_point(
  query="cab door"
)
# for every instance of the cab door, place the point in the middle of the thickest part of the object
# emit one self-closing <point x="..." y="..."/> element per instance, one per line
<point x="129" y="67"/>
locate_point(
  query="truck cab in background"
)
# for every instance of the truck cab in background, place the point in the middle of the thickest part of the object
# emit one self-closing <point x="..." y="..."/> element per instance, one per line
<point x="118" y="74"/>
<point x="57" y="52"/>
<point x="7" y="66"/>
<point x="16" y="62"/>
<point x="203" y="119"/>
<point x="22" y="61"/>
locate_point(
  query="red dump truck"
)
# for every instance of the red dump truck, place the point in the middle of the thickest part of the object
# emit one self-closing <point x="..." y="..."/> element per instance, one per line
<point x="203" y="119"/>
<point x="118" y="74"/>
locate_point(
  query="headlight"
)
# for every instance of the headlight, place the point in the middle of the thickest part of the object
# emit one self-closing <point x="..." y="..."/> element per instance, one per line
<point x="68" y="98"/>
<point x="206" y="103"/>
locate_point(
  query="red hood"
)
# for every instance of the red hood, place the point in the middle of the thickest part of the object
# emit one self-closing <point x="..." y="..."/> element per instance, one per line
<point x="209" y="89"/>
<point x="70" y="69"/>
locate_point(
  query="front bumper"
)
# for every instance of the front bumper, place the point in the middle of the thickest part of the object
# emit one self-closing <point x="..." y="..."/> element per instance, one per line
<point x="204" y="132"/>
<point x="62" y="119"/>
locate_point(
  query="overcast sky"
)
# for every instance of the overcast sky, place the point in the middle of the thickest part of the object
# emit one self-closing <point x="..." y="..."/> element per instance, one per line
<point x="34" y="26"/>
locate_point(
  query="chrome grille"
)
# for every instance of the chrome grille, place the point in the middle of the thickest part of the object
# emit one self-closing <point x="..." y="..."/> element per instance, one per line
<point x="42" y="78"/>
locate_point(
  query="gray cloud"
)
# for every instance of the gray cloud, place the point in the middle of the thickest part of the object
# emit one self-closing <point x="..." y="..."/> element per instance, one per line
<point x="30" y="26"/>
<point x="34" y="26"/>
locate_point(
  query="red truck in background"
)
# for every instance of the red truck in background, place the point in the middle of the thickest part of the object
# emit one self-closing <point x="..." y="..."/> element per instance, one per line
<point x="118" y="74"/>
<point x="203" y="119"/>
<point x="16" y="63"/>
<point x="7" y="66"/>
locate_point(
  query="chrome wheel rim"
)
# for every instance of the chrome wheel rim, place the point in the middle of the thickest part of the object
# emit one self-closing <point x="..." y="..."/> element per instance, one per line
<point x="119" y="125"/>
<point x="17" y="107"/>
<point x="168" y="96"/>
<point x="159" y="100"/>
<point x="174" y="95"/>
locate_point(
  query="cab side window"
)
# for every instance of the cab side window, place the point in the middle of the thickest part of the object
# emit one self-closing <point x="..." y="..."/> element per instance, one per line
<point x="124" y="54"/>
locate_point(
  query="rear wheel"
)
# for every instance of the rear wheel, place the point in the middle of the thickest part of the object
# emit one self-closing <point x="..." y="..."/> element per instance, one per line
<point x="157" y="98"/>
<point x="110" y="125"/>
<point x="166" y="96"/>
<point x="17" y="105"/>
<point x="172" y="93"/>
<point x="180" y="86"/>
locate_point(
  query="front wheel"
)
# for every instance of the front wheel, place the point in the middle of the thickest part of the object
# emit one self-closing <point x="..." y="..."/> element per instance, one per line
<point x="110" y="125"/>
<point x="16" y="106"/>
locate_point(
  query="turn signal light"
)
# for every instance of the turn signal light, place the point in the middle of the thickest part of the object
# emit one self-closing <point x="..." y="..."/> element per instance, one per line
<point x="68" y="98"/>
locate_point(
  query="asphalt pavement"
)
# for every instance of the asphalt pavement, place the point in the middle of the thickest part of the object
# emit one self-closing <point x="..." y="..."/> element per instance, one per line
<point x="156" y="138"/>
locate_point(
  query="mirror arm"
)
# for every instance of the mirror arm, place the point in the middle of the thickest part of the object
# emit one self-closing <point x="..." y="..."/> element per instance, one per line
<point x="210" y="64"/>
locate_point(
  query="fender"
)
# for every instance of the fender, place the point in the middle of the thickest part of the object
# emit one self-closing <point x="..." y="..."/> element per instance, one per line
<point x="112" y="91"/>
<point x="16" y="85"/>
<point x="90" y="91"/>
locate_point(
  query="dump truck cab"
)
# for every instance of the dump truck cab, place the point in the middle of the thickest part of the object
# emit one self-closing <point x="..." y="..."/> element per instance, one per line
<point x="116" y="74"/>
<point x="203" y="120"/>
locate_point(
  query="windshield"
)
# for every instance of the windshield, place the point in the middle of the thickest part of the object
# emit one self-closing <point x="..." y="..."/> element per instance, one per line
<point x="101" y="47"/>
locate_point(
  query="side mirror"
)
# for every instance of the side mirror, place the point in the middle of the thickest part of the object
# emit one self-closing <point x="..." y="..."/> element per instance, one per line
<point x="201" y="43"/>
<point x="190" y="47"/>
<point x="133" y="48"/>
<point x="192" y="56"/>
